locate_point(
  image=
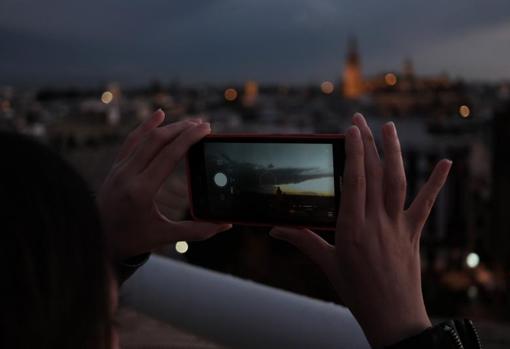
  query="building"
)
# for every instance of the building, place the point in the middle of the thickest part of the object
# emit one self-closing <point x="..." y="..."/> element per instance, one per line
<point x="353" y="86"/>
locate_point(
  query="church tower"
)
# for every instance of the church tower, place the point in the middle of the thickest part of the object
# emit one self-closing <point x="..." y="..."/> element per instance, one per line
<point x="352" y="79"/>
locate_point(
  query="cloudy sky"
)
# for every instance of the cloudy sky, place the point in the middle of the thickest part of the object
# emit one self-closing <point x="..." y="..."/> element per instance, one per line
<point x="65" y="42"/>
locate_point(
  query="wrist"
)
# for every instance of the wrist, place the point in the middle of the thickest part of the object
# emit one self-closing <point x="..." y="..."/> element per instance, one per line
<point x="394" y="325"/>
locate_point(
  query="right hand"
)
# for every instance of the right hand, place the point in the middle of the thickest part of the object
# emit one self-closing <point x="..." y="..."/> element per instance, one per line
<point x="375" y="263"/>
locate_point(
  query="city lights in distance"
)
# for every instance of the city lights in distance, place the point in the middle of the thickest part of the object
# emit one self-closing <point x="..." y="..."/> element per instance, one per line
<point x="107" y="97"/>
<point x="230" y="94"/>
<point x="390" y="79"/>
<point x="181" y="247"/>
<point x="464" y="111"/>
<point x="5" y="105"/>
<point x="472" y="260"/>
<point x="327" y="87"/>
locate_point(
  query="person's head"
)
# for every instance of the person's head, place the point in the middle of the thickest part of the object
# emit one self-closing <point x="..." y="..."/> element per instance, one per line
<point x="55" y="287"/>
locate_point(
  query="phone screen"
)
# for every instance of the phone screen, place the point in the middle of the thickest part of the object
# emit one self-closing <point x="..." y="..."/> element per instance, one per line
<point x="270" y="181"/>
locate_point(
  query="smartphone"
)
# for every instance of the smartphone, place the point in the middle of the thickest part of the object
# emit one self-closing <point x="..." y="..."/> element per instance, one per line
<point x="267" y="180"/>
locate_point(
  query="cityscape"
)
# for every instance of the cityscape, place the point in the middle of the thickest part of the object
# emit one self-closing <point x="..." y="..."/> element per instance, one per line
<point x="465" y="259"/>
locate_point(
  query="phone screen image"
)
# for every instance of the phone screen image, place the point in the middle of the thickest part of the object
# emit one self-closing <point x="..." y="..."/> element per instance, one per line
<point x="271" y="182"/>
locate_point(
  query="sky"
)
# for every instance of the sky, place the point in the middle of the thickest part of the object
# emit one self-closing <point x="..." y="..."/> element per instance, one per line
<point x="62" y="42"/>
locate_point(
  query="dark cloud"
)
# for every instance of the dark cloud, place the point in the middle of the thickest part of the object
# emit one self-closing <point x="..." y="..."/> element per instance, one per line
<point x="61" y="41"/>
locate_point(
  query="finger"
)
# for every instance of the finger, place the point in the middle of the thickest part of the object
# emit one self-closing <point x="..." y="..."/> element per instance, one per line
<point x="309" y="243"/>
<point x="420" y="209"/>
<point x="352" y="205"/>
<point x="155" y="140"/>
<point x="137" y="134"/>
<point x="394" y="173"/>
<point x="166" y="160"/>
<point x="191" y="231"/>
<point x="373" y="166"/>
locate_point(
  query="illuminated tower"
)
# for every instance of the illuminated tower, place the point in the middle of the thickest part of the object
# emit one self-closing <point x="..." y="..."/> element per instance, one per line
<point x="353" y="81"/>
<point x="251" y="92"/>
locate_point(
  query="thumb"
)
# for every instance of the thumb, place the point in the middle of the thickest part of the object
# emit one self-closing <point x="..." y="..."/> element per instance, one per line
<point x="309" y="243"/>
<point x="194" y="231"/>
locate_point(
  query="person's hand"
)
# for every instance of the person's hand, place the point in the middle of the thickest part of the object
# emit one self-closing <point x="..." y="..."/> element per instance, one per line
<point x="172" y="198"/>
<point x="375" y="263"/>
<point x="127" y="204"/>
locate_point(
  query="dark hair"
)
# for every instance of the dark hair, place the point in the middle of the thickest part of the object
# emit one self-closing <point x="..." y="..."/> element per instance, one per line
<point x="55" y="282"/>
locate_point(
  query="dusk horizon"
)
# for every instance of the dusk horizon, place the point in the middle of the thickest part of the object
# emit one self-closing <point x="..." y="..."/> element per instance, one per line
<point x="225" y="42"/>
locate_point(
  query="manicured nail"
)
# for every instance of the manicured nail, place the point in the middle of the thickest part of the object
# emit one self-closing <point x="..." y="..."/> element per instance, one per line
<point x="224" y="227"/>
<point x="390" y="128"/>
<point x="360" y="117"/>
<point x="204" y="125"/>
<point x="353" y="131"/>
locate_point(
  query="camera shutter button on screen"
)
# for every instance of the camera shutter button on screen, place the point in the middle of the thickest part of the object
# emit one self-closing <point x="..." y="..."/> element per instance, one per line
<point x="220" y="179"/>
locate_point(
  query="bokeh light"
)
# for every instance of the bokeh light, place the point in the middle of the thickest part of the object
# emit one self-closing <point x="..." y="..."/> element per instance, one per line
<point x="327" y="87"/>
<point x="390" y="79"/>
<point x="472" y="260"/>
<point x="181" y="247"/>
<point x="107" y="97"/>
<point x="464" y="111"/>
<point x="230" y="94"/>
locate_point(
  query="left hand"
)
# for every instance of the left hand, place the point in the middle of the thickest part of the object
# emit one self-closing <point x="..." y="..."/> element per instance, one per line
<point x="131" y="218"/>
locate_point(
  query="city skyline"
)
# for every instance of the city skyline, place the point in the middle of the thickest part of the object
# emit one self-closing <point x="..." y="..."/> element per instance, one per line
<point x="230" y="42"/>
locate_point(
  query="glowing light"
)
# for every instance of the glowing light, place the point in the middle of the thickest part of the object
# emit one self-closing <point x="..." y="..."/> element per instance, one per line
<point x="464" y="111"/>
<point x="390" y="79"/>
<point x="181" y="247"/>
<point x="327" y="87"/>
<point x="472" y="260"/>
<point x="230" y="94"/>
<point x="107" y="97"/>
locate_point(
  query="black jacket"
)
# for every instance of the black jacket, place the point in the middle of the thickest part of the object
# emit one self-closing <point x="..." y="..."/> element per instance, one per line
<point x="451" y="334"/>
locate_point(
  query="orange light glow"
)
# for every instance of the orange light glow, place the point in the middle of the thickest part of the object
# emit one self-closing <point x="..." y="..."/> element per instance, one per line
<point x="464" y="111"/>
<point x="390" y="79"/>
<point x="230" y="94"/>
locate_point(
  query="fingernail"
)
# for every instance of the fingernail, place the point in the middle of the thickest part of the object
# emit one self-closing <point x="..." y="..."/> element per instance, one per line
<point x="224" y="227"/>
<point x="390" y="127"/>
<point x="359" y="116"/>
<point x="353" y="131"/>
